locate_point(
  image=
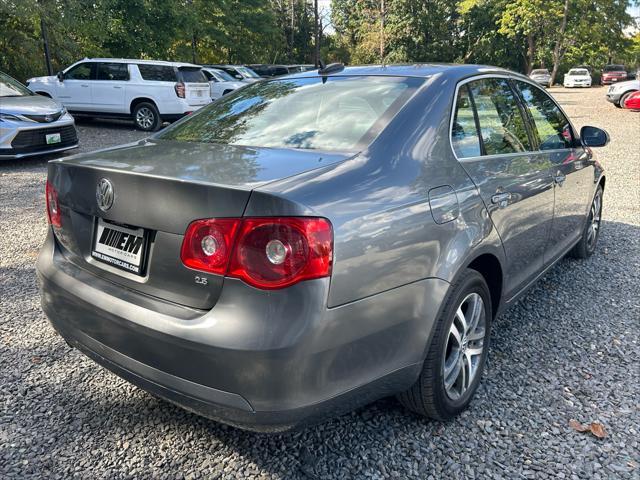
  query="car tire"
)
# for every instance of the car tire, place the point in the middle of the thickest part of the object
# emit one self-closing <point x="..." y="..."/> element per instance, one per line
<point x="624" y="96"/>
<point x="146" y="117"/>
<point x="591" y="232"/>
<point x="434" y="395"/>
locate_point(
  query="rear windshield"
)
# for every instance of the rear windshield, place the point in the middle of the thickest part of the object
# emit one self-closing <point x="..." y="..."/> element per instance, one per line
<point x="192" y="75"/>
<point x="578" y="71"/>
<point x="339" y="113"/>
<point x="12" y="88"/>
<point x="158" y="73"/>
<point x="613" y="68"/>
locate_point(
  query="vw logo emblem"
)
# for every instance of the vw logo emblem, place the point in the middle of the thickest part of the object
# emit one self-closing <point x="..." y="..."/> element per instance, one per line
<point x="104" y="194"/>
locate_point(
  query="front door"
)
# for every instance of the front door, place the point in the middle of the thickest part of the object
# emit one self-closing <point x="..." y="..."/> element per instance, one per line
<point x="108" y="89"/>
<point x="571" y="164"/>
<point x="75" y="91"/>
<point x="515" y="184"/>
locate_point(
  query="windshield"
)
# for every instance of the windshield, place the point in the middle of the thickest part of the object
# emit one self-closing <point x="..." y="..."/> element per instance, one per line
<point x="613" y="68"/>
<point x="540" y="72"/>
<point x="222" y="76"/>
<point x="247" y="72"/>
<point x="12" y="88"/>
<point x="576" y="71"/>
<point x="337" y="113"/>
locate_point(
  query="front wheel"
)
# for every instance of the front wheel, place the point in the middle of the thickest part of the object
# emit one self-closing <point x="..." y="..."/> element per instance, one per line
<point x="146" y="117"/>
<point x="587" y="244"/>
<point x="458" y="351"/>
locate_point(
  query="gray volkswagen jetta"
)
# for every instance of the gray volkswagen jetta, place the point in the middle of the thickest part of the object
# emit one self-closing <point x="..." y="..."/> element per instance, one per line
<point x="315" y="242"/>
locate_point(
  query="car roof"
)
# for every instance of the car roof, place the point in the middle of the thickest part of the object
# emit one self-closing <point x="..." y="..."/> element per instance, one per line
<point x="133" y="60"/>
<point x="420" y="70"/>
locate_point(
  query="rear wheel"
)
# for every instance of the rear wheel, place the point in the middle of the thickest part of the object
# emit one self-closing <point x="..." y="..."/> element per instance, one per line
<point x="458" y="351"/>
<point x="146" y="117"/>
<point x="587" y="244"/>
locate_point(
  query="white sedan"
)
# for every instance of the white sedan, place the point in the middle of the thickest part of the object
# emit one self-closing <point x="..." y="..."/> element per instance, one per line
<point x="221" y="82"/>
<point x="577" y="77"/>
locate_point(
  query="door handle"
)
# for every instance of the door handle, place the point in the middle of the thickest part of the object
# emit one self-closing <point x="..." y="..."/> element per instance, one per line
<point x="84" y="86"/>
<point x="559" y="178"/>
<point x="117" y="87"/>
<point x="501" y="199"/>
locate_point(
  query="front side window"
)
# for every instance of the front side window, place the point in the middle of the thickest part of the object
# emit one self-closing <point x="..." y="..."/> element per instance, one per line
<point x="552" y="128"/>
<point x="79" y="72"/>
<point x="464" y="134"/>
<point x="12" y="88"/>
<point x="339" y="113"/>
<point x="500" y="119"/>
<point x="112" y="71"/>
<point x="158" y="73"/>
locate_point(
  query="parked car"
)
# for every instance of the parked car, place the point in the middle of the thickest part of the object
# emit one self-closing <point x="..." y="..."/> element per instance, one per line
<point x="147" y="91"/>
<point x="239" y="72"/>
<point x="541" y="76"/>
<point x="577" y="77"/>
<point x="632" y="102"/>
<point x="305" y="245"/>
<point x="618" y="93"/>
<point x="221" y="82"/>
<point x="270" y="71"/>
<point x="31" y="124"/>
<point x="612" y="74"/>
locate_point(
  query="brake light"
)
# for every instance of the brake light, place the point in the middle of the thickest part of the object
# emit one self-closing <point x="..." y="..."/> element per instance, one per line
<point x="207" y="244"/>
<point x="53" y="207"/>
<point x="267" y="253"/>
<point x="179" y="88"/>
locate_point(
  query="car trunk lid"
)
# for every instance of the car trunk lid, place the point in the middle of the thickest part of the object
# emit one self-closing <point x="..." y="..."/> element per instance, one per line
<point x="197" y="88"/>
<point x="158" y="188"/>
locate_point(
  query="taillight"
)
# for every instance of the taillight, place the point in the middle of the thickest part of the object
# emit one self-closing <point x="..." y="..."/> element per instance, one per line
<point x="53" y="207"/>
<point x="266" y="253"/>
<point x="207" y="244"/>
<point x="179" y="88"/>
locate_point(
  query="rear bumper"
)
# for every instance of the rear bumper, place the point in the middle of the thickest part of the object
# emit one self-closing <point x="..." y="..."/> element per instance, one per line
<point x="264" y="361"/>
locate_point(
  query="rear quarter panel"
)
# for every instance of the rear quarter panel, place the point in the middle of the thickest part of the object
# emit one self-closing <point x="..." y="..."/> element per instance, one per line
<point x="384" y="233"/>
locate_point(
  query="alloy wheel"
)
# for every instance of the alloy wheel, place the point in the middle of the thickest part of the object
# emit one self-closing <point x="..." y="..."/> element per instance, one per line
<point x="465" y="345"/>
<point x="145" y="118"/>
<point x="594" y="221"/>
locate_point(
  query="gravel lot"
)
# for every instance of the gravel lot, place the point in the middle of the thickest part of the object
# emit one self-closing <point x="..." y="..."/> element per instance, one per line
<point x="569" y="350"/>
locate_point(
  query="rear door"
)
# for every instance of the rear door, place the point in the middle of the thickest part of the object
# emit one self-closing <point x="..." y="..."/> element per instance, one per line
<point x="108" y="89"/>
<point x="492" y="140"/>
<point x="197" y="88"/>
<point x="75" y="91"/>
<point x="571" y="166"/>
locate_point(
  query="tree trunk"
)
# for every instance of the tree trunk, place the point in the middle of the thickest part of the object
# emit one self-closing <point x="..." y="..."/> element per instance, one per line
<point x="531" y="52"/>
<point x="382" y="13"/>
<point x="316" y="33"/>
<point x="558" y="51"/>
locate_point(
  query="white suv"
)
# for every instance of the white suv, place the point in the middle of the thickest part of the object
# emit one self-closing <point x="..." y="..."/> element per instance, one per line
<point x="148" y="91"/>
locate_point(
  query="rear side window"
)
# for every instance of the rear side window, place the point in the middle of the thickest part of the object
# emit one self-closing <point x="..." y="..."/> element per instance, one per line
<point x="192" y="75"/>
<point x="464" y="135"/>
<point x="112" y="71"/>
<point x="334" y="113"/>
<point x="158" y="73"/>
<point x="79" y="72"/>
<point x="552" y="128"/>
<point x="500" y="119"/>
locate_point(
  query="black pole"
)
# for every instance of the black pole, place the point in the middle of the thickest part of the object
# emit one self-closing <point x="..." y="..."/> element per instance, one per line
<point x="45" y="40"/>
<point x="316" y="54"/>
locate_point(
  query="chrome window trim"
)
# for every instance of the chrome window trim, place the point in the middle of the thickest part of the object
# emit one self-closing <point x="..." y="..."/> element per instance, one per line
<point x="513" y="154"/>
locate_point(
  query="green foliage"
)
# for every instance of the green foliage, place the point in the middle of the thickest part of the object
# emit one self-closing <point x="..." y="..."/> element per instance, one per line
<point x="516" y="34"/>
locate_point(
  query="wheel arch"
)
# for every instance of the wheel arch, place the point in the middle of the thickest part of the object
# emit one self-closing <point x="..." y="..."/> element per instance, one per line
<point x="489" y="266"/>
<point x="139" y="100"/>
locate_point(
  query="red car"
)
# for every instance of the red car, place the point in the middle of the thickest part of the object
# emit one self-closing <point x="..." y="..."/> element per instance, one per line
<point x="633" y="101"/>
<point x="613" y="74"/>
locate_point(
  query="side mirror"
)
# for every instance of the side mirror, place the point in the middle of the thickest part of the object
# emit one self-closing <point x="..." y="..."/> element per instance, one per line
<point x="594" y="136"/>
<point x="60" y="76"/>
